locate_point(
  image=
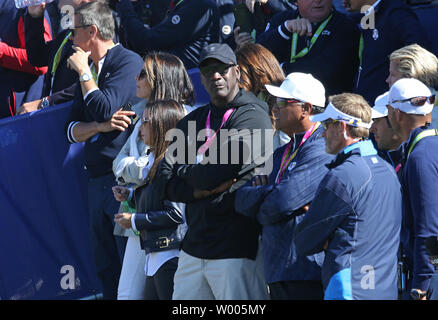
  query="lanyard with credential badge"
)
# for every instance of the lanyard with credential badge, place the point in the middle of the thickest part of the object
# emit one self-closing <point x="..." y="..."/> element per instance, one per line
<point x="57" y="57"/>
<point x="286" y="159"/>
<point x="210" y="138"/>
<point x="294" y="56"/>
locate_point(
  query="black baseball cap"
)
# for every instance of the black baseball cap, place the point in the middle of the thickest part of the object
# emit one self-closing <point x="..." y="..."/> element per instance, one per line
<point x="218" y="51"/>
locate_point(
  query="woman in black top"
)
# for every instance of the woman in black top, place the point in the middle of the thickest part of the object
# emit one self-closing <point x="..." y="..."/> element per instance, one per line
<point x="160" y="222"/>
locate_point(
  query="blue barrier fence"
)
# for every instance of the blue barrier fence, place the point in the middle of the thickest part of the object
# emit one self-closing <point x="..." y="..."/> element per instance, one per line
<point x="44" y="237"/>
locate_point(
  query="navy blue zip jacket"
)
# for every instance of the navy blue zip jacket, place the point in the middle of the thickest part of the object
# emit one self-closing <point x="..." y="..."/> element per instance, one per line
<point x="117" y="87"/>
<point x="333" y="59"/>
<point x="277" y="208"/>
<point x="357" y="209"/>
<point x="396" y="26"/>
<point x="188" y="28"/>
<point x="420" y="205"/>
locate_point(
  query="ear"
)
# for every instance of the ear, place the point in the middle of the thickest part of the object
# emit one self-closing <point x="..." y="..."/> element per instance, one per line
<point x="93" y="30"/>
<point x="307" y="109"/>
<point x="237" y="68"/>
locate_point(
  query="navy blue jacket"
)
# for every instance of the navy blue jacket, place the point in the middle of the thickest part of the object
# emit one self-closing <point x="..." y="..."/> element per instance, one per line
<point x="397" y="26"/>
<point x="333" y="59"/>
<point x="188" y="28"/>
<point x="420" y="205"/>
<point x="357" y="209"/>
<point x="117" y="87"/>
<point x="277" y="208"/>
<point x="15" y="87"/>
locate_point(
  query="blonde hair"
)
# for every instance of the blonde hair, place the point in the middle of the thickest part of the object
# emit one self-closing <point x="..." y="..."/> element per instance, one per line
<point x="414" y="61"/>
<point x="354" y="105"/>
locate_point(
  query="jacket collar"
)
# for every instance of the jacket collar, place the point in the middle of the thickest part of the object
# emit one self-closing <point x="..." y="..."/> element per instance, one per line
<point x="361" y="148"/>
<point x="407" y="144"/>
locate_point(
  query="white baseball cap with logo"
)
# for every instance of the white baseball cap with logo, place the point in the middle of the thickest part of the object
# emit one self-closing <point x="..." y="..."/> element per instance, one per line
<point x="380" y="110"/>
<point x="300" y="86"/>
<point x="405" y="89"/>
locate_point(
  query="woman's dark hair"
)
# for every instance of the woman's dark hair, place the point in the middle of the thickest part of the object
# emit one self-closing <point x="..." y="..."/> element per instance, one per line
<point x="163" y="115"/>
<point x="168" y="78"/>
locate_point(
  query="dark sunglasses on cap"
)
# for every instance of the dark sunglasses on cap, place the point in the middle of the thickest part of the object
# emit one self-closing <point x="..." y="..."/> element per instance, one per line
<point x="211" y="69"/>
<point x="417" y="101"/>
<point x="281" y="102"/>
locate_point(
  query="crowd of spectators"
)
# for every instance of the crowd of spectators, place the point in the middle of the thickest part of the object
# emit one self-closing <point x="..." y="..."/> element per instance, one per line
<point x="334" y="195"/>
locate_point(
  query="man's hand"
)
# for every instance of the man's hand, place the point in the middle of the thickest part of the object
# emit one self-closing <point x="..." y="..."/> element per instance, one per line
<point x="250" y="4"/>
<point x="78" y="61"/>
<point x="301" y="26"/>
<point x="260" y="181"/>
<point x="241" y="38"/>
<point x="123" y="220"/>
<point x="200" y="194"/>
<point x="36" y="11"/>
<point x="29" y="106"/>
<point x="120" y="193"/>
<point x="119" y="121"/>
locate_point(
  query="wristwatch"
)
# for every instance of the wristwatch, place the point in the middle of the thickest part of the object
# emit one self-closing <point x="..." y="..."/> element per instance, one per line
<point x="85" y="77"/>
<point x="44" y="103"/>
<point x="417" y="294"/>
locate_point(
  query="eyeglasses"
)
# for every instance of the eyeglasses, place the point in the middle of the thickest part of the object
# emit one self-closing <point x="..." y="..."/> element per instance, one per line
<point x="327" y="122"/>
<point x="417" y="101"/>
<point x="77" y="27"/>
<point x="210" y="70"/>
<point x="281" y="103"/>
<point x="141" y="74"/>
<point x="145" y="120"/>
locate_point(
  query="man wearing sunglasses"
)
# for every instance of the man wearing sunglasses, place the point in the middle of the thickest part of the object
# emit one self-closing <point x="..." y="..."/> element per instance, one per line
<point x="103" y="88"/>
<point x="356" y="214"/>
<point x="279" y="201"/>
<point x="384" y="135"/>
<point x="410" y="101"/>
<point x="220" y="255"/>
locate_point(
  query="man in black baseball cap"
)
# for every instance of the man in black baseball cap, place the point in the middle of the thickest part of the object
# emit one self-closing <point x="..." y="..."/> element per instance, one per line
<point x="220" y="73"/>
<point x="220" y="256"/>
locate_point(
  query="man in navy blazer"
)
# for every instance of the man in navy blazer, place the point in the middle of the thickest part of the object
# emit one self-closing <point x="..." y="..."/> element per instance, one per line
<point x="103" y="88"/>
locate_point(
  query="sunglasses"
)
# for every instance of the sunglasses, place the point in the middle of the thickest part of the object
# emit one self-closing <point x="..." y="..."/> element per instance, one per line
<point x="141" y="74"/>
<point x="327" y="122"/>
<point x="281" y="103"/>
<point x="145" y="120"/>
<point x="77" y="27"/>
<point x="417" y="101"/>
<point x="210" y="70"/>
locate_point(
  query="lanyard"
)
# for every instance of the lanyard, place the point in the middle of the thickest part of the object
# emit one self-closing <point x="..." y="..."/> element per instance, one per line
<point x="286" y="159"/>
<point x="210" y="138"/>
<point x="57" y="57"/>
<point x="421" y="135"/>
<point x="294" y="56"/>
<point x="361" y="47"/>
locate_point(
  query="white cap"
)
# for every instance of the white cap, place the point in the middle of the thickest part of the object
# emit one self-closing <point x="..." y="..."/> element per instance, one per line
<point x="301" y="86"/>
<point x="332" y="113"/>
<point x="406" y="89"/>
<point x="380" y="110"/>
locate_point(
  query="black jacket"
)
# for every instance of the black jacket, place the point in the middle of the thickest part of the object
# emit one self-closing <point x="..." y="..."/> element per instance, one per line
<point x="188" y="28"/>
<point x="333" y="59"/>
<point x="215" y="229"/>
<point x="160" y="222"/>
